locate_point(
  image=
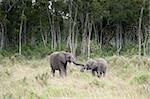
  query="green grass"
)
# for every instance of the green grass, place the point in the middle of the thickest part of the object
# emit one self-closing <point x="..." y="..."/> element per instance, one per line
<point x="98" y="83"/>
<point x="141" y="78"/>
<point x="126" y="77"/>
<point x="61" y="91"/>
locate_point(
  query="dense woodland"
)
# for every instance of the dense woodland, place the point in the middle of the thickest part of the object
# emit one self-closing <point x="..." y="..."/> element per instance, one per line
<point x="84" y="27"/>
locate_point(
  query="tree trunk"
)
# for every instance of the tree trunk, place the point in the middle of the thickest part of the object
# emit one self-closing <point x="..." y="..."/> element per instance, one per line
<point x="55" y="40"/>
<point x="89" y="37"/>
<point x="33" y="40"/>
<point x="52" y="40"/>
<point x="119" y="37"/>
<point x="2" y="37"/>
<point x="70" y="27"/>
<point x="20" y="32"/>
<point x="24" y="32"/>
<point x="46" y="36"/>
<point x="58" y="33"/>
<point x="76" y="39"/>
<point x="50" y="23"/>
<point x="146" y="44"/>
<point x="54" y="34"/>
<point x="73" y="32"/>
<point x="84" y="35"/>
<point x="139" y="29"/>
<point x="41" y="31"/>
<point x="96" y="37"/>
<point x="101" y="32"/>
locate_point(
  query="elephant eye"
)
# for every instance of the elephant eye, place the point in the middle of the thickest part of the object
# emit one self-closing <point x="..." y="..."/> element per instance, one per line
<point x="69" y="57"/>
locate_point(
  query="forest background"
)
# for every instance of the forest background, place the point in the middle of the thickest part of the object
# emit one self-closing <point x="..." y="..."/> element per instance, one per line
<point x="85" y="27"/>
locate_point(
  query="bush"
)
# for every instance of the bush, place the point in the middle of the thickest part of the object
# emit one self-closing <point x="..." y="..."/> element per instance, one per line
<point x="130" y="49"/>
<point x="40" y="51"/>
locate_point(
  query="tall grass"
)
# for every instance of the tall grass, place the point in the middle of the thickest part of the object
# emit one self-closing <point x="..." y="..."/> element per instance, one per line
<point x="126" y="78"/>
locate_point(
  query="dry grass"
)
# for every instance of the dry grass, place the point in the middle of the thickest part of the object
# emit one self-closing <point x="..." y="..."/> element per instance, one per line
<point x="126" y="78"/>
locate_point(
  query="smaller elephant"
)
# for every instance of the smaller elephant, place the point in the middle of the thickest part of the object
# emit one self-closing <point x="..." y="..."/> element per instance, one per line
<point x="59" y="60"/>
<point x="97" y="66"/>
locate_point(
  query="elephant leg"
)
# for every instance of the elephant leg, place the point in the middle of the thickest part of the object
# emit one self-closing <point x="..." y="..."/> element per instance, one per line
<point x="65" y="72"/>
<point x="53" y="72"/>
<point x="99" y="74"/>
<point x="93" y="72"/>
<point x="62" y="72"/>
<point x="65" y="69"/>
<point x="103" y="73"/>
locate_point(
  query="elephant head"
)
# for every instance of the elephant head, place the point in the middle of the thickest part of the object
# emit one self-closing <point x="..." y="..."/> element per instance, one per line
<point x="88" y="65"/>
<point x="69" y="57"/>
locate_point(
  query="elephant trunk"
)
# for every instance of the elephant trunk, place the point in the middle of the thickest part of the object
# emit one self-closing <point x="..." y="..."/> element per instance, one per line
<point x="78" y="64"/>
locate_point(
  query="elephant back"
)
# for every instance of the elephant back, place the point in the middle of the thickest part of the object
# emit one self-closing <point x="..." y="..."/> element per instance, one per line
<point x="102" y="62"/>
<point x="55" y="57"/>
<point x="90" y="61"/>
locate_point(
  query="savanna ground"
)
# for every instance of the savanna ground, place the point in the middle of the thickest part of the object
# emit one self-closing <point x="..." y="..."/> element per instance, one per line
<point x="126" y="78"/>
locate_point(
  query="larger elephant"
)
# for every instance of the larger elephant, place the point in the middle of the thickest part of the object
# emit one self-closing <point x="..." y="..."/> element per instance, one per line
<point x="59" y="60"/>
<point x="97" y="66"/>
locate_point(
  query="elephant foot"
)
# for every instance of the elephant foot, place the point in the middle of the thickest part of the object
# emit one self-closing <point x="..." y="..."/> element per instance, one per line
<point x="99" y="76"/>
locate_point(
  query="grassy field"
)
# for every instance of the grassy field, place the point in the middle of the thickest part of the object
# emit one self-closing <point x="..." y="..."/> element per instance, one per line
<point x="126" y="78"/>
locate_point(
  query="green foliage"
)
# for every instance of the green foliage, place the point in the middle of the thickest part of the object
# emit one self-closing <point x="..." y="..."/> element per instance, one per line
<point x="141" y="78"/>
<point x="95" y="49"/>
<point x="6" y="53"/>
<point x="40" y="22"/>
<point x="108" y="51"/>
<point x="130" y="49"/>
<point x="40" y="51"/>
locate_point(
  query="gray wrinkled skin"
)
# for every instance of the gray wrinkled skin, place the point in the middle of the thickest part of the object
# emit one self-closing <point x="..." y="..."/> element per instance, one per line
<point x="58" y="61"/>
<point x="97" y="66"/>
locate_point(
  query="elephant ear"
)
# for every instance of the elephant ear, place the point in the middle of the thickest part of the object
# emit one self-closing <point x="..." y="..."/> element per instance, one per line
<point x="95" y="64"/>
<point x="90" y="63"/>
<point x="70" y="57"/>
<point x="62" y="57"/>
<point x="65" y="57"/>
